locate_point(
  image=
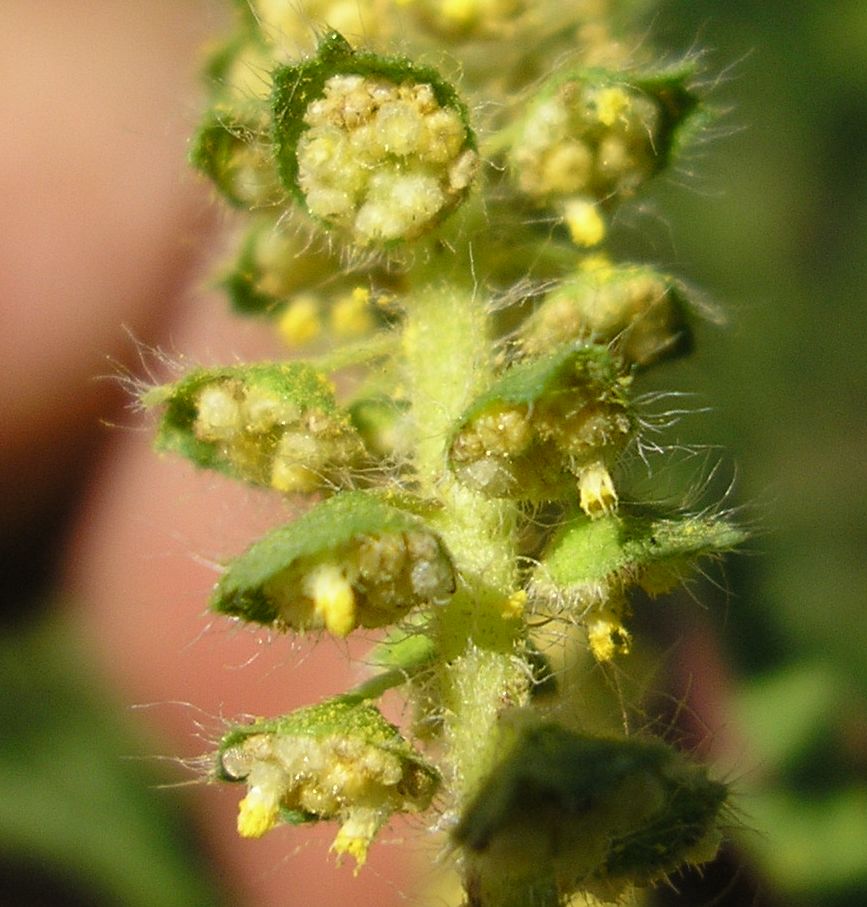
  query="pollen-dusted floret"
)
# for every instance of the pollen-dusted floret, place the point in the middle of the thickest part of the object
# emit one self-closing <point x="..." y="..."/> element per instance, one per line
<point x="372" y="582"/>
<point x="596" y="136"/>
<point x="383" y="161"/>
<point x="543" y="422"/>
<point x="339" y="760"/>
<point x="350" y="561"/>
<point x="639" y="312"/>
<point x="275" y="425"/>
<point x="587" y="138"/>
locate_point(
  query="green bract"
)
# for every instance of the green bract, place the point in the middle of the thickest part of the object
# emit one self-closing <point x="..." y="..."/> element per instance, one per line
<point x="589" y="565"/>
<point x="596" y="814"/>
<point x="377" y="147"/>
<point x="337" y="760"/>
<point x="236" y="155"/>
<point x="352" y="560"/>
<point x="271" y="424"/>
<point x="588" y="560"/>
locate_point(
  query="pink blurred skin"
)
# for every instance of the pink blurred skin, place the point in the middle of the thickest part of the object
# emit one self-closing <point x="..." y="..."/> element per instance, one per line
<point x="100" y="224"/>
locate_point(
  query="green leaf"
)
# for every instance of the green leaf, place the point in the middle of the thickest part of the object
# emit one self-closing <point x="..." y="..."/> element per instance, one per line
<point x="79" y="794"/>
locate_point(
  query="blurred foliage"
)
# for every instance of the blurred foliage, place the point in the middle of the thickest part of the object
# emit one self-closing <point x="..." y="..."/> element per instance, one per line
<point x="773" y="226"/>
<point x="80" y="813"/>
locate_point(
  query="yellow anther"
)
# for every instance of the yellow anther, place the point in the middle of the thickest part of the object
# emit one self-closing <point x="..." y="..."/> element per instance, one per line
<point x="293" y="478"/>
<point x="333" y="598"/>
<point x="514" y="605"/>
<point x="607" y="637"/>
<point x="596" y="490"/>
<point x="460" y="11"/>
<point x="598" y="263"/>
<point x="611" y="104"/>
<point x="300" y="323"/>
<point x="350" y="316"/>
<point x="585" y="223"/>
<point x="356" y="833"/>
<point x="256" y="814"/>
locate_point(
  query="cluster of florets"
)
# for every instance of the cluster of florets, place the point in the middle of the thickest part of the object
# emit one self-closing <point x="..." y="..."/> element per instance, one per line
<point x="337" y="760"/>
<point x="381" y="160"/>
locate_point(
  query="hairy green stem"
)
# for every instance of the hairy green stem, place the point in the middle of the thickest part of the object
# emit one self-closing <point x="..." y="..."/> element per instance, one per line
<point x="448" y="359"/>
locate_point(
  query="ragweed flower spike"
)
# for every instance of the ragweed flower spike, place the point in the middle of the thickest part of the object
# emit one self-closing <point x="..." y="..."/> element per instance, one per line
<point x="460" y="426"/>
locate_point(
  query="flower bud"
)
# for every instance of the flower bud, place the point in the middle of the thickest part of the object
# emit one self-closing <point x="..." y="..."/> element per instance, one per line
<point x="350" y="561"/>
<point x="270" y="424"/>
<point x="589" y="565"/>
<point x="598" y="135"/>
<point x="375" y="147"/>
<point x="593" y="814"/>
<point x="542" y="422"/>
<point x="338" y="760"/>
<point x="638" y="312"/>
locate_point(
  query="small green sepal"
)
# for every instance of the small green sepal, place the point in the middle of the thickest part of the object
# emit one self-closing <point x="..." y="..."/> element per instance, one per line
<point x="587" y="559"/>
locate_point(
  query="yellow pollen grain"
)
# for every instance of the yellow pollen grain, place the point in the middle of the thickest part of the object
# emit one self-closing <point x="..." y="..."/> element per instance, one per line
<point x="514" y="605"/>
<point x="350" y="316"/>
<point x="300" y="323"/>
<point x="255" y="816"/>
<point x="611" y="103"/>
<point x="333" y="599"/>
<point x="586" y="225"/>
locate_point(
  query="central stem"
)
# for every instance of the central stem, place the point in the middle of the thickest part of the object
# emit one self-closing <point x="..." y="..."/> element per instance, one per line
<point x="447" y="346"/>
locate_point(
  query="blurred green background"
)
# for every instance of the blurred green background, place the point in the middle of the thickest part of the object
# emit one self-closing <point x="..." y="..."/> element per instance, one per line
<point x="774" y="227"/>
<point x="768" y="216"/>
